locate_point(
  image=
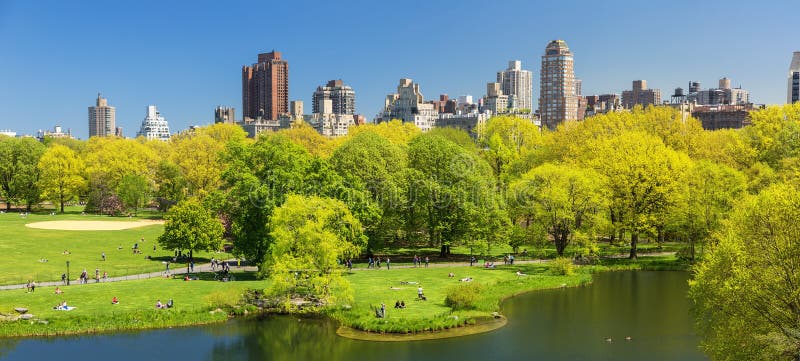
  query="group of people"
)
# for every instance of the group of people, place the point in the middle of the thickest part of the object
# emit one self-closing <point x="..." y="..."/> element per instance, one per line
<point x="376" y="263"/>
<point x="63" y="306"/>
<point x="223" y="266"/>
<point x="508" y="259"/>
<point x="160" y="305"/>
<point x="31" y="286"/>
<point x="400" y="304"/>
<point x="418" y="261"/>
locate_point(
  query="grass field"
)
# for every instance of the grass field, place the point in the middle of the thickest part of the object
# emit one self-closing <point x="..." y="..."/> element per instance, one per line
<point x="24" y="249"/>
<point x="384" y="286"/>
<point x="136" y="308"/>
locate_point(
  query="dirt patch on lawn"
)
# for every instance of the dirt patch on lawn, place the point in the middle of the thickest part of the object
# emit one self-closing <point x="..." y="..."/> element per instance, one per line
<point x="92" y="225"/>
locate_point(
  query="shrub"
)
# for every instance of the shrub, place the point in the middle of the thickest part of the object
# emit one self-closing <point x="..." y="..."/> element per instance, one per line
<point x="222" y="300"/>
<point x="463" y="297"/>
<point x="562" y="266"/>
<point x="684" y="254"/>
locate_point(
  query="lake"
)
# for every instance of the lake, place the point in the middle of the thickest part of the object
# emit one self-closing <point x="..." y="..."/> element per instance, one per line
<point x="564" y="324"/>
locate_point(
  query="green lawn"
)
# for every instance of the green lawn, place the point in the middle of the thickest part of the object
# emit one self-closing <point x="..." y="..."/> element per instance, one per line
<point x="384" y="286"/>
<point x="23" y="248"/>
<point x="136" y="308"/>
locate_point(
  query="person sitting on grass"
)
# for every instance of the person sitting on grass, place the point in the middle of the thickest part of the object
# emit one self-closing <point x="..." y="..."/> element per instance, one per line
<point x="420" y="295"/>
<point x="114" y="300"/>
<point x="397" y="304"/>
<point x="466" y="279"/>
<point x="520" y="273"/>
<point x="402" y="304"/>
<point x="59" y="291"/>
<point x="159" y="305"/>
<point x="169" y="303"/>
<point x="451" y="275"/>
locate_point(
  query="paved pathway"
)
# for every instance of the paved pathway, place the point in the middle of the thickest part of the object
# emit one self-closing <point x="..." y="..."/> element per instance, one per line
<point x="179" y="270"/>
<point x="359" y="267"/>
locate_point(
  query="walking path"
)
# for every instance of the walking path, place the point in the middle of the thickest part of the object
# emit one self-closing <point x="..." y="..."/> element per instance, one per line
<point x="207" y="268"/>
<point x="197" y="268"/>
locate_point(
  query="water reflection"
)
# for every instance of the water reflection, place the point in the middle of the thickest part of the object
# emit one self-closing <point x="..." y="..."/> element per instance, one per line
<point x="565" y="324"/>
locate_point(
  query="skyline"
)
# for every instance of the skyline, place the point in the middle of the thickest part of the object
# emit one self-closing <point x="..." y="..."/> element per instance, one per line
<point x="187" y="60"/>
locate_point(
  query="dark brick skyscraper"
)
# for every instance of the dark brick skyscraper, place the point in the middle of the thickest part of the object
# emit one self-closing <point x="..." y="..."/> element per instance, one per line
<point x="265" y="87"/>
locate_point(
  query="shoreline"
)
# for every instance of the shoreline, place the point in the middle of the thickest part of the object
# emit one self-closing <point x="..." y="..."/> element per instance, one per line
<point x="487" y="321"/>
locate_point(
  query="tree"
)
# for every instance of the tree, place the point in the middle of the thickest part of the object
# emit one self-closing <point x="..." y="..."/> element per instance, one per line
<point x="712" y="191"/>
<point x="396" y="131"/>
<point x="448" y="187"/>
<point x="262" y="174"/>
<point x="304" y="135"/>
<point x="190" y="227"/>
<point x="746" y="290"/>
<point x="60" y="175"/>
<point x="562" y="199"/>
<point x="19" y="174"/>
<point x="644" y="178"/>
<point x="133" y="191"/>
<point x="507" y="140"/>
<point x="379" y="166"/>
<point x="311" y="235"/>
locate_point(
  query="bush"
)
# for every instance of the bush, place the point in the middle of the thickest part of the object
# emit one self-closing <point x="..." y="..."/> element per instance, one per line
<point x="463" y="297"/>
<point x="222" y="300"/>
<point x="562" y="266"/>
<point x="684" y="254"/>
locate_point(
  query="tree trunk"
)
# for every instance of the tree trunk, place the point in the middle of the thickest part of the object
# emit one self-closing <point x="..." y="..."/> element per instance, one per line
<point x="445" y="251"/>
<point x="61" y="200"/>
<point x="661" y="235"/>
<point x="634" y="242"/>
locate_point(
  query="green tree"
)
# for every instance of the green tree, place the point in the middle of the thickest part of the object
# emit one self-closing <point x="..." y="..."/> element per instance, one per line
<point x="262" y="174"/>
<point x="448" y="187"/>
<point x="644" y="178"/>
<point x="377" y="165"/>
<point x="311" y="235"/>
<point x="190" y="227"/>
<point x="712" y="191"/>
<point x="562" y="199"/>
<point x="746" y="290"/>
<point x="60" y="175"/>
<point x="19" y="174"/>
<point x="133" y="191"/>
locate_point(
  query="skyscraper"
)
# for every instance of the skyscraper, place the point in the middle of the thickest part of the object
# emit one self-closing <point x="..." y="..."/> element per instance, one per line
<point x="224" y="115"/>
<point x="154" y="126"/>
<point x="793" y="94"/>
<point x="102" y="118"/>
<point x="342" y="97"/>
<point x="557" y="99"/>
<point x="265" y="87"/>
<point x="517" y="84"/>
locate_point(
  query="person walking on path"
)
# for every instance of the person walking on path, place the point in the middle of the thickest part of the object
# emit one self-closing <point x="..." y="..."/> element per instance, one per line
<point x="472" y="261"/>
<point x="33" y="286"/>
<point x="167" y="270"/>
<point x="388" y="262"/>
<point x="64" y="278"/>
<point x="427" y="261"/>
<point x="97" y="275"/>
<point x="378" y="262"/>
<point x="191" y="266"/>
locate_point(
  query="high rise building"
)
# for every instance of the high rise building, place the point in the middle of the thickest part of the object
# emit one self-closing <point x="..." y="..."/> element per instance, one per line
<point x="793" y="93"/>
<point x="409" y="106"/>
<point x="224" y="115"/>
<point x="557" y="99"/>
<point x="296" y="109"/>
<point x="517" y="84"/>
<point x="342" y="97"/>
<point x="495" y="101"/>
<point x="102" y="118"/>
<point x="265" y="88"/>
<point x="154" y="126"/>
<point x="640" y="95"/>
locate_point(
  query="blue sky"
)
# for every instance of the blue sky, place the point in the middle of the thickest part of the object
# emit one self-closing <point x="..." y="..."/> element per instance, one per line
<point x="186" y="57"/>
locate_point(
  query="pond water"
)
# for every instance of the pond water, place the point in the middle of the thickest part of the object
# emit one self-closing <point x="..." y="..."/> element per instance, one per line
<point x="564" y="324"/>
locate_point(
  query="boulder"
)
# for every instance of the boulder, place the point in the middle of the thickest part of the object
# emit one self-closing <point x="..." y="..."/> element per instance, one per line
<point x="21" y="310"/>
<point x="26" y="316"/>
